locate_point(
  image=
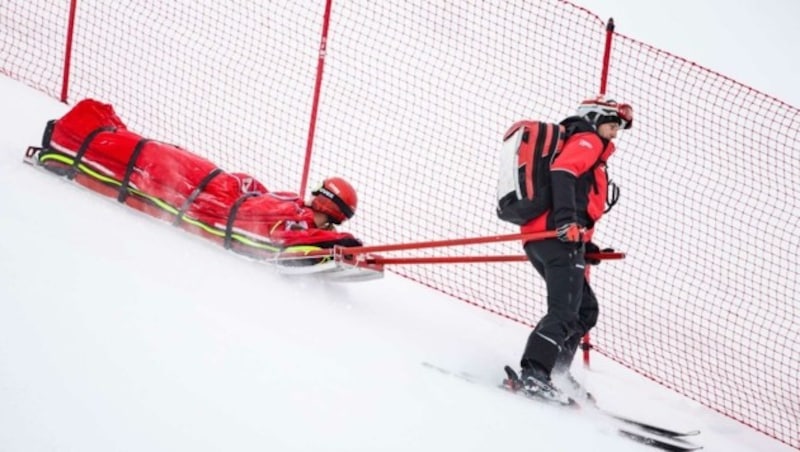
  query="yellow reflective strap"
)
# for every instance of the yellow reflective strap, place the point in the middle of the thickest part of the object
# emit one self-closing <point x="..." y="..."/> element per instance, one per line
<point x="161" y="204"/>
<point x="305" y="249"/>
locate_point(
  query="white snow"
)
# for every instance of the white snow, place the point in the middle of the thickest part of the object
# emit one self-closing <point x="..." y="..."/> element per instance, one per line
<point x="119" y="332"/>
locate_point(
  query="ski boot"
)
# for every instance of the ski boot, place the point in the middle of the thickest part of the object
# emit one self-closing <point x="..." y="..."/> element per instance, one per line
<point x="535" y="383"/>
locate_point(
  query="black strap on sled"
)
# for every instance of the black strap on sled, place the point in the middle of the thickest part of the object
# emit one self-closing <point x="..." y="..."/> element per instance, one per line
<point x="195" y="193"/>
<point x="232" y="217"/>
<point x="48" y="133"/>
<point x="72" y="172"/>
<point x="126" y="179"/>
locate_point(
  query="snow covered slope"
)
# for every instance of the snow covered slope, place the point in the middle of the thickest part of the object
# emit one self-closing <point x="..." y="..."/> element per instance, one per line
<point x="119" y="332"/>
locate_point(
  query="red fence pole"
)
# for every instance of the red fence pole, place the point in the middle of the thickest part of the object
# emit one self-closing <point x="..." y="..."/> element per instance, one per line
<point x="317" y="88"/>
<point x="606" y="56"/>
<point x="586" y="343"/>
<point x="68" y="51"/>
<point x="586" y="346"/>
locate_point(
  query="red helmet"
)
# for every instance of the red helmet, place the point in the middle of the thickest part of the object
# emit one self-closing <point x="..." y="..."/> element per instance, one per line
<point x="336" y="198"/>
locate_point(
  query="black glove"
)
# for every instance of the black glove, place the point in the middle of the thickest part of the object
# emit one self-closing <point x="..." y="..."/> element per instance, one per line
<point x="592" y="248"/>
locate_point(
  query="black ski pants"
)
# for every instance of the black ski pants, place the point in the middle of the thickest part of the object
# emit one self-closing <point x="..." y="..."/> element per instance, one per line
<point x="571" y="305"/>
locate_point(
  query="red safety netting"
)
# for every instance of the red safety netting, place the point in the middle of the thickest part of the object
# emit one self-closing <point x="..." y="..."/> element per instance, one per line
<point x="413" y="104"/>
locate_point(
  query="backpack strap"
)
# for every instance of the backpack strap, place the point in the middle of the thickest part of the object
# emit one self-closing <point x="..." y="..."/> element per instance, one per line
<point x="555" y="135"/>
<point x="537" y="165"/>
<point x="528" y="189"/>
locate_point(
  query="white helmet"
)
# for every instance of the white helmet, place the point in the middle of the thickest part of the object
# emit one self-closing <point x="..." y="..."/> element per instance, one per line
<point x="599" y="111"/>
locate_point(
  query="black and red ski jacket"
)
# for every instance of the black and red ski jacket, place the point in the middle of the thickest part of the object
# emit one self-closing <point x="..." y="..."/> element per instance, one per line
<point x="579" y="179"/>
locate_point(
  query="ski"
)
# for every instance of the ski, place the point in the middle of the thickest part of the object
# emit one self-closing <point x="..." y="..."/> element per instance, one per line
<point x="647" y="434"/>
<point x="640" y="432"/>
<point x="657" y="441"/>
<point x="653" y="428"/>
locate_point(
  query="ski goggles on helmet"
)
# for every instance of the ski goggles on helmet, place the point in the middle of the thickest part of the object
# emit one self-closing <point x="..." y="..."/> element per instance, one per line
<point x="339" y="202"/>
<point x="598" y="108"/>
<point x="625" y="113"/>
